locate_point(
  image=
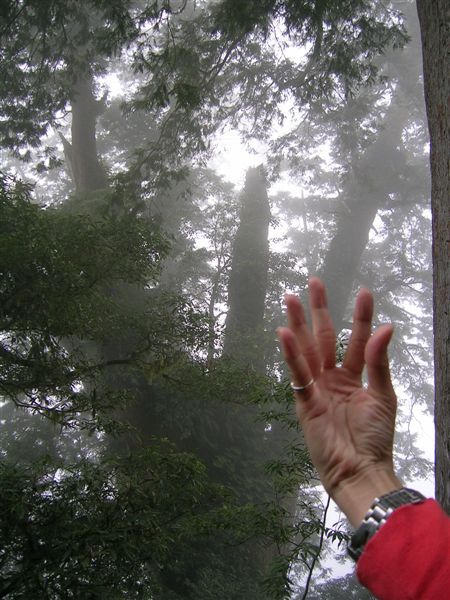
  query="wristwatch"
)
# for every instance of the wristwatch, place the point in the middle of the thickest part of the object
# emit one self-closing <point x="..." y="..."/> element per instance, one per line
<point x="377" y="515"/>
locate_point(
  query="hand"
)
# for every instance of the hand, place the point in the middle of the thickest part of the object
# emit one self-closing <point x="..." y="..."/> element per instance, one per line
<point x="348" y="429"/>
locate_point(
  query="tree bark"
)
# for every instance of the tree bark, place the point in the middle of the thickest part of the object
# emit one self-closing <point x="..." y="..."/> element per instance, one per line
<point x="248" y="278"/>
<point x="344" y="255"/>
<point x="87" y="171"/>
<point x="373" y="175"/>
<point x="434" y="20"/>
<point x="372" y="178"/>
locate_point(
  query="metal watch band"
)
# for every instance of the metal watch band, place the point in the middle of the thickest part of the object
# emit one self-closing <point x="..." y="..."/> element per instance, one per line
<point x="377" y="515"/>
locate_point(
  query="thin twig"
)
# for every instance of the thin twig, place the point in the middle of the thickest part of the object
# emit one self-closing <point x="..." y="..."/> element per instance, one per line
<point x="316" y="557"/>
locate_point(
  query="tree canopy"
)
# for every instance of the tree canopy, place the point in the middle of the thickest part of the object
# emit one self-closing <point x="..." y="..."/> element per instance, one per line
<point x="149" y="448"/>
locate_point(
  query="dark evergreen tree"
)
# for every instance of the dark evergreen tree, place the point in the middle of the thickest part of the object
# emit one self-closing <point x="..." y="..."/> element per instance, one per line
<point x="247" y="287"/>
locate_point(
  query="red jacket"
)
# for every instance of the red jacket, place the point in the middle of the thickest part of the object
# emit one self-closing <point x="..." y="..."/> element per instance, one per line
<point x="409" y="557"/>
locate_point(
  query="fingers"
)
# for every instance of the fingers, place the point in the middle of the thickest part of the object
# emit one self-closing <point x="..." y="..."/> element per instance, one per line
<point x="318" y="347"/>
<point x="309" y="403"/>
<point x="322" y="325"/>
<point x="307" y="343"/>
<point x="361" y="330"/>
<point x="298" y="365"/>
<point x="376" y="358"/>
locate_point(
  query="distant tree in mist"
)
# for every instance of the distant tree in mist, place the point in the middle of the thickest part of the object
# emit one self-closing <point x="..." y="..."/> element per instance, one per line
<point x="247" y="286"/>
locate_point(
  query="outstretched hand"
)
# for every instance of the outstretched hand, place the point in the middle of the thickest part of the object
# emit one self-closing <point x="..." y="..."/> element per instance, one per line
<point x="348" y="428"/>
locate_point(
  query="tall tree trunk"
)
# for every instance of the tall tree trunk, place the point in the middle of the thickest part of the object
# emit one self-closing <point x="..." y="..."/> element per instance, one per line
<point x="248" y="278"/>
<point x="344" y="253"/>
<point x="87" y="172"/>
<point x="434" y="20"/>
<point x="247" y="287"/>
<point x="89" y="175"/>
<point x="372" y="178"/>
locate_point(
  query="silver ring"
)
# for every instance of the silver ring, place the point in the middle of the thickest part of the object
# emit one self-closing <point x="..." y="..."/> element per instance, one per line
<point x="300" y="388"/>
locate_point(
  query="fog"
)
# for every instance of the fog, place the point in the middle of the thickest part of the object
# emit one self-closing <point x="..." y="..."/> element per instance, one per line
<point x="169" y="170"/>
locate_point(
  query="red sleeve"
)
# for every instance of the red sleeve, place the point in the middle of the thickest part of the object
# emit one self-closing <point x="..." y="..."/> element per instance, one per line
<point x="409" y="557"/>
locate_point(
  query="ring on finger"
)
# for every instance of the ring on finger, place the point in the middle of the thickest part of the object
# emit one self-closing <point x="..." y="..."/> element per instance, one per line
<point x="301" y="388"/>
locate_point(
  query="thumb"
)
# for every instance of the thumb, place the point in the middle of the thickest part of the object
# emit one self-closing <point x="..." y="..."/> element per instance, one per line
<point x="377" y="362"/>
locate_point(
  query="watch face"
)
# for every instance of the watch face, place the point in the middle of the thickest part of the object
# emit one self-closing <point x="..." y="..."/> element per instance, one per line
<point x="377" y="515"/>
<point x="400" y="497"/>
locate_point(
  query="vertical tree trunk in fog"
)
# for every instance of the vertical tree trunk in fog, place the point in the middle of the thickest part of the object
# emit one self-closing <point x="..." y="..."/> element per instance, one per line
<point x="371" y="179"/>
<point x="344" y="254"/>
<point x="87" y="171"/>
<point x="89" y="175"/>
<point x="434" y="20"/>
<point x="248" y="278"/>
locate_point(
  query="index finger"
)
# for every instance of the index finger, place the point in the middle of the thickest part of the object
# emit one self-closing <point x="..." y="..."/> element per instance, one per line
<point x="297" y="324"/>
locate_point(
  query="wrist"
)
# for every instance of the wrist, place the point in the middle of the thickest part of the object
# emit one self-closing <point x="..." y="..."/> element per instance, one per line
<point x="355" y="495"/>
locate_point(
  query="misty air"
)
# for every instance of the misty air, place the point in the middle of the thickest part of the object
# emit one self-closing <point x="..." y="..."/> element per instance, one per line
<point x="224" y="299"/>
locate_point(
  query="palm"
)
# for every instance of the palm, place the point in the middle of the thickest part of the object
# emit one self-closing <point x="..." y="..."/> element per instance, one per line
<point x="347" y="428"/>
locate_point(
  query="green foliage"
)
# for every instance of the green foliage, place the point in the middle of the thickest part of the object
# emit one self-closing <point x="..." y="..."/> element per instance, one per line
<point x="84" y="278"/>
<point x="57" y="270"/>
<point x="107" y="529"/>
<point x="333" y="59"/>
<point x="189" y="58"/>
<point x="46" y="45"/>
<point x="142" y="523"/>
